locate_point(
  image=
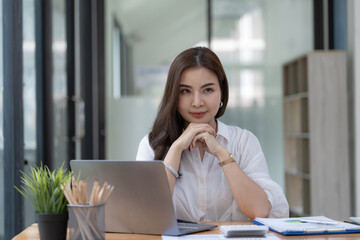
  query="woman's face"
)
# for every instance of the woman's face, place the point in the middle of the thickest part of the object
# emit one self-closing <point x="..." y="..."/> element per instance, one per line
<point x="200" y="96"/>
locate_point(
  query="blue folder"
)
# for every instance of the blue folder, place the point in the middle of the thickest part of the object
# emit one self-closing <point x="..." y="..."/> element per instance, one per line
<point x="307" y="226"/>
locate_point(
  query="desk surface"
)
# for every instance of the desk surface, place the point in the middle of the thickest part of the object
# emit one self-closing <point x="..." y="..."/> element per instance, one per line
<point x="33" y="234"/>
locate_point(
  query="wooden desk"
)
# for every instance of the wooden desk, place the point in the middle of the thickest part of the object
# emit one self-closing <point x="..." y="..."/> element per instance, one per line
<point x="33" y="234"/>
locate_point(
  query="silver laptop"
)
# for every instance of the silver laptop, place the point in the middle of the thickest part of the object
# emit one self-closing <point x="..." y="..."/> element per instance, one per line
<point x="141" y="201"/>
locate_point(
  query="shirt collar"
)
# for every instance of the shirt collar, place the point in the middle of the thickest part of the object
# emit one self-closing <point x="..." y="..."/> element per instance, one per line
<point x="223" y="130"/>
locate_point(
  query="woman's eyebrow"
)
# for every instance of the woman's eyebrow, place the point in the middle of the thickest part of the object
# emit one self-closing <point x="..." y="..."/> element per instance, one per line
<point x="203" y="86"/>
<point x="184" y="85"/>
<point x="207" y="85"/>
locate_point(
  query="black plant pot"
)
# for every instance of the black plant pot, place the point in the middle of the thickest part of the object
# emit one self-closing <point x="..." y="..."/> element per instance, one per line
<point x="52" y="226"/>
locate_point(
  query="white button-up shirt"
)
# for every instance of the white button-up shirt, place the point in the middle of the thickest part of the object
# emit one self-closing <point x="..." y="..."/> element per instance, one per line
<point x="202" y="192"/>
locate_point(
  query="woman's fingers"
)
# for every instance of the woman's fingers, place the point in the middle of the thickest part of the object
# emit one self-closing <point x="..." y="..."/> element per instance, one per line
<point x="197" y="128"/>
<point x="188" y="137"/>
<point x="201" y="140"/>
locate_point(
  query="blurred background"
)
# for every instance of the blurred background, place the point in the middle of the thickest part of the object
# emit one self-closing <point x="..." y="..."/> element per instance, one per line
<point x="93" y="74"/>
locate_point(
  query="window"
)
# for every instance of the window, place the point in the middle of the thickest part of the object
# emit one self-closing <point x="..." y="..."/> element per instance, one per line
<point x="2" y="213"/>
<point x="29" y="93"/>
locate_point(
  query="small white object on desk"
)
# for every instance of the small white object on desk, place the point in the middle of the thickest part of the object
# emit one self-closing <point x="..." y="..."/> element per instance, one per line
<point x="355" y="220"/>
<point x="243" y="230"/>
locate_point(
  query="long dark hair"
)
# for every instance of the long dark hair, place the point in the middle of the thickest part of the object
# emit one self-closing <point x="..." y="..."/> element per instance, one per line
<point x="168" y="124"/>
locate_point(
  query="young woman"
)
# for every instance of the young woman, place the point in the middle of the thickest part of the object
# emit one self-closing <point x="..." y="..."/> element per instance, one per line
<point x="216" y="172"/>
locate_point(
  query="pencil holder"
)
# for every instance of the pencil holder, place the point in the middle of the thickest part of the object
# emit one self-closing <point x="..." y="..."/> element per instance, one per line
<point x="87" y="222"/>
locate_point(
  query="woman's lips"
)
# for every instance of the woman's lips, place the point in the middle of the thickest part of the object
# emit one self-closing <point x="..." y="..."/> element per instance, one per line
<point x="198" y="114"/>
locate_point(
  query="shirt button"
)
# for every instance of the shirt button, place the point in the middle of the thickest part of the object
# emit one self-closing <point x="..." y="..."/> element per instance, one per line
<point x="203" y="209"/>
<point x="202" y="181"/>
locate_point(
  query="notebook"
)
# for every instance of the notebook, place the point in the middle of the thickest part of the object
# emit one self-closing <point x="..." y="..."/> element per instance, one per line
<point x="307" y="225"/>
<point x="141" y="201"/>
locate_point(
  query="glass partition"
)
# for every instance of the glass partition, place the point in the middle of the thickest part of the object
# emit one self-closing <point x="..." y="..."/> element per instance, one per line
<point x="59" y="87"/>
<point x="2" y="212"/>
<point x="253" y="38"/>
<point x="29" y="98"/>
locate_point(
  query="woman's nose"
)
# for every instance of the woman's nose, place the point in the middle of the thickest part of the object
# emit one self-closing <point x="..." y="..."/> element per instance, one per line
<point x="197" y="100"/>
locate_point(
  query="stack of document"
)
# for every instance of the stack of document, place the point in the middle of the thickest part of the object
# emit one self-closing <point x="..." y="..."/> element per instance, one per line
<point x="307" y="225"/>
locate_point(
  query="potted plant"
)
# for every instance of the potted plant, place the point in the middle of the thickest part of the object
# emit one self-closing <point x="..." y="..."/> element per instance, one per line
<point x="42" y="188"/>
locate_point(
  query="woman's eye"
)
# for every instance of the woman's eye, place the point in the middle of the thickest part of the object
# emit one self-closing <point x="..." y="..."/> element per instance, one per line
<point x="208" y="90"/>
<point x="185" y="91"/>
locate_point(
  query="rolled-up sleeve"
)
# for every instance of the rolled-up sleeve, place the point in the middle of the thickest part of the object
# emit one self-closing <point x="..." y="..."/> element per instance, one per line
<point x="254" y="165"/>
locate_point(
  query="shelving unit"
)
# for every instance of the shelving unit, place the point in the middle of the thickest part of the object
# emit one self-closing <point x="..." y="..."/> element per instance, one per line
<point x="316" y="135"/>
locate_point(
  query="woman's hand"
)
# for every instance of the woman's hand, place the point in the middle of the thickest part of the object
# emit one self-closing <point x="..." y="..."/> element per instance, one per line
<point x="207" y="142"/>
<point x="173" y="156"/>
<point x="194" y="129"/>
